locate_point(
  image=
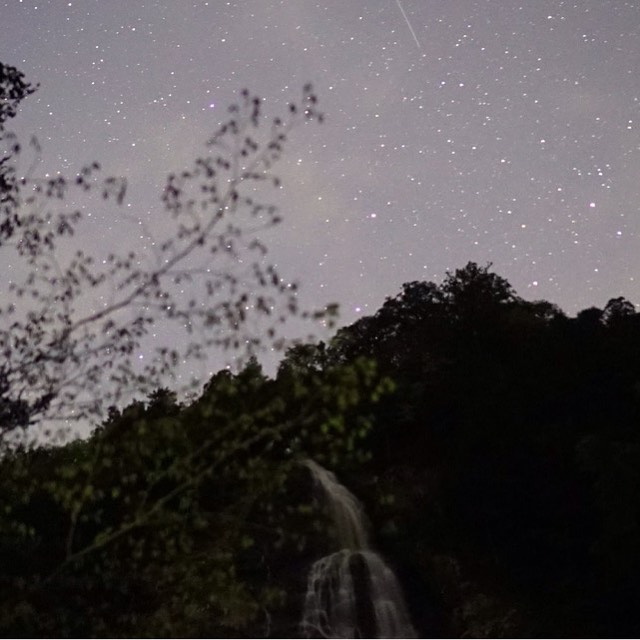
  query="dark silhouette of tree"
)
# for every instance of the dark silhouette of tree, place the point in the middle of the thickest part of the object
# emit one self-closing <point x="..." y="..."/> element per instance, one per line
<point x="13" y="89"/>
<point x="14" y="410"/>
<point x="617" y="310"/>
<point x="509" y="425"/>
<point x="474" y="289"/>
<point x="590" y="318"/>
<point x="173" y="518"/>
<point x="494" y="440"/>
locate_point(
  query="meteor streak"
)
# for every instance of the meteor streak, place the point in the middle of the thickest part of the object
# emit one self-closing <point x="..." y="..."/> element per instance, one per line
<point x="406" y="19"/>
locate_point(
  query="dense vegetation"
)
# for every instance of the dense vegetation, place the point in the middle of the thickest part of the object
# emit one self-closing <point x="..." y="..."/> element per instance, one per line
<point x="178" y="520"/>
<point x="500" y="470"/>
<point x="494" y="442"/>
<point x="511" y="445"/>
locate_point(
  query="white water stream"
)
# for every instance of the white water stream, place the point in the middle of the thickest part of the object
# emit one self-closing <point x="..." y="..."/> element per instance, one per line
<point x="351" y="593"/>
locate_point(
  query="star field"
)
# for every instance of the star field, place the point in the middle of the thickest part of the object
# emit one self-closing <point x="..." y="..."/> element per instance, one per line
<point x="456" y="130"/>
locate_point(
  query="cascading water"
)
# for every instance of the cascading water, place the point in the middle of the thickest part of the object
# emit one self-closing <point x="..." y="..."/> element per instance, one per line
<point x="351" y="593"/>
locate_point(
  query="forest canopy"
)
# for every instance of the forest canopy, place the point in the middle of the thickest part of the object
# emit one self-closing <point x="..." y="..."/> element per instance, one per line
<point x="493" y="441"/>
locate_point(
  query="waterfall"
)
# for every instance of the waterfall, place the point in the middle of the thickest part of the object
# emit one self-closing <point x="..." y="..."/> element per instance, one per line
<point x="351" y="593"/>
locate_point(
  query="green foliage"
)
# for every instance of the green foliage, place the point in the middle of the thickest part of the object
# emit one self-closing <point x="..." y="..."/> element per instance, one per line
<point x="499" y="469"/>
<point x="168" y="519"/>
<point x="494" y="440"/>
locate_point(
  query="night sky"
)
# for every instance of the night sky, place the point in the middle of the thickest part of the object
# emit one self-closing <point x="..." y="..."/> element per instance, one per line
<point x="488" y="130"/>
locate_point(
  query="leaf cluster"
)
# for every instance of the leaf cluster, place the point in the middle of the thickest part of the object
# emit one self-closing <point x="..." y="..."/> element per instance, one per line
<point x="177" y="519"/>
<point x="73" y="326"/>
